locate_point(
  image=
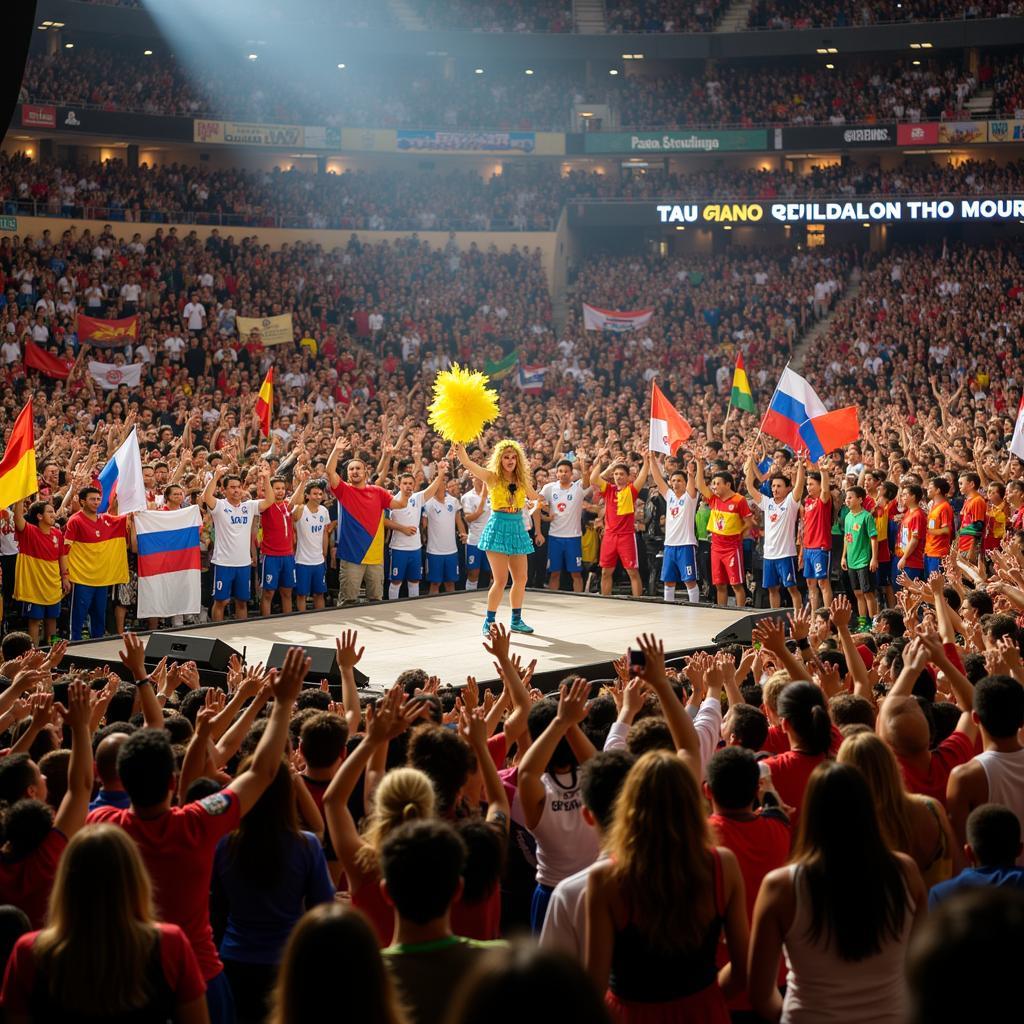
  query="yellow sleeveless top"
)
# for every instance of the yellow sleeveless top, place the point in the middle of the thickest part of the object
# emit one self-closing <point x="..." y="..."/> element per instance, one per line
<point x="502" y="499"/>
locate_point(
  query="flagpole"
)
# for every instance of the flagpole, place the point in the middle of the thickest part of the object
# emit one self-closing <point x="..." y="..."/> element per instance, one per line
<point x="757" y="437"/>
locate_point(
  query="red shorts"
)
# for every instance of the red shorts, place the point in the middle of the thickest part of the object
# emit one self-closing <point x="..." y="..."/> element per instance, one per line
<point x="727" y="562"/>
<point x="618" y="547"/>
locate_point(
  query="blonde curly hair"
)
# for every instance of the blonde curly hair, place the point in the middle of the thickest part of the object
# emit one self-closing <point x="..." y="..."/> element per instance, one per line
<point x="523" y="475"/>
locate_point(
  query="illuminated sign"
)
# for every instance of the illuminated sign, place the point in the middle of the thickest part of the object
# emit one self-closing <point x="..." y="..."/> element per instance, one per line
<point x="878" y="211"/>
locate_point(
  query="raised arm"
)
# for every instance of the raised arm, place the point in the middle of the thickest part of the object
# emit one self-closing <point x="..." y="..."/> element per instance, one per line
<point x="74" y="805"/>
<point x="684" y="736"/>
<point x="348" y="657"/>
<point x="641" y="477"/>
<point x="477" y="470"/>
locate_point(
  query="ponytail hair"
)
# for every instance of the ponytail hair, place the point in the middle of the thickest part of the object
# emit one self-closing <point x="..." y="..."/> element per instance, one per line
<point x="404" y="794"/>
<point x="802" y="704"/>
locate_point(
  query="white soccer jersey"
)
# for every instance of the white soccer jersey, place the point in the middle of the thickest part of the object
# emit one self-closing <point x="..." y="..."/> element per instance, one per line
<point x="565" y="506"/>
<point x="780" y="520"/>
<point x="440" y="517"/>
<point x="470" y="503"/>
<point x="408" y="516"/>
<point x="309" y="536"/>
<point x="679" y="519"/>
<point x="232" y="532"/>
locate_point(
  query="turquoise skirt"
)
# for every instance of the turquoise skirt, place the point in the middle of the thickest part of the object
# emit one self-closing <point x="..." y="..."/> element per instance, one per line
<point x="506" y="534"/>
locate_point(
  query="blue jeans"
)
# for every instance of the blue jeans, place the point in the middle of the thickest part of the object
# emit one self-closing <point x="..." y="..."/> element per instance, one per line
<point x="220" y="1000"/>
<point x="88" y="604"/>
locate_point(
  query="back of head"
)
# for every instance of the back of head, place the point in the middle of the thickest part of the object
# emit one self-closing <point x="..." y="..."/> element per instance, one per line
<point x="326" y="936"/>
<point x="14" y="645"/>
<point x="17" y="774"/>
<point x="999" y="705"/>
<point x="322" y="739"/>
<point x="803" y="706"/>
<point x="649" y="734"/>
<point x="553" y="985"/>
<point x="601" y="781"/>
<point x="485" y="858"/>
<point x="54" y="768"/>
<point x="903" y="725"/>
<point x="443" y="755"/>
<point x="146" y="766"/>
<point x="977" y="933"/>
<point x="25" y="824"/>
<point x="868" y="753"/>
<point x="733" y="776"/>
<point x="107" y="753"/>
<point x="540" y="716"/>
<point x="993" y="834"/>
<point x="421" y="863"/>
<point x="749" y="725"/>
<point x="851" y="709"/>
<point x="403" y="795"/>
<point x="14" y="923"/>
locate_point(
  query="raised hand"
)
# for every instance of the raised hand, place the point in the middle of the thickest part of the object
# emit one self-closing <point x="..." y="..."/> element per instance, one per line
<point x="347" y="655"/>
<point x="841" y="611"/>
<point x="133" y="657"/>
<point x="286" y="684"/>
<point x="573" y="702"/>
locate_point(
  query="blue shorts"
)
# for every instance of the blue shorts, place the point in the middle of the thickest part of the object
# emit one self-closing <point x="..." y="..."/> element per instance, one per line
<point x="476" y="559"/>
<point x="41" y="611"/>
<point x="565" y="554"/>
<point x="406" y="565"/>
<point x="311" y="579"/>
<point x="679" y="564"/>
<point x="443" y="568"/>
<point x="278" y="572"/>
<point x="932" y="564"/>
<point x="778" y="572"/>
<point x="231" y="581"/>
<point x="816" y="563"/>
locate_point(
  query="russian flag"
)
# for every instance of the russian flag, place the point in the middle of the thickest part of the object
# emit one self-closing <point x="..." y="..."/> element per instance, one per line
<point x="121" y="478"/>
<point x="169" y="565"/>
<point x="798" y="417"/>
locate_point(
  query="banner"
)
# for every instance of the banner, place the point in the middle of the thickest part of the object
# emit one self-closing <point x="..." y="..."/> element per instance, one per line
<point x="169" y="565"/>
<point x="434" y="141"/>
<point x="120" y="123"/>
<point x="836" y="136"/>
<point x="728" y="140"/>
<point x="35" y="116"/>
<point x="963" y="132"/>
<point x="109" y="376"/>
<point x="917" y="134"/>
<point x="272" y="330"/>
<point x="1006" y="131"/>
<point x="240" y="133"/>
<point x="44" y="361"/>
<point x="595" y="319"/>
<point x="107" y="333"/>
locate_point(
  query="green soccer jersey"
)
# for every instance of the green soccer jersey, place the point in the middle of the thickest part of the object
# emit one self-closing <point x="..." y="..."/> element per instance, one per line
<point x="860" y="528"/>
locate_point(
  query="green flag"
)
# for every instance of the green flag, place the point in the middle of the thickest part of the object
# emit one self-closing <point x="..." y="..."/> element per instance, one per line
<point x="503" y="367"/>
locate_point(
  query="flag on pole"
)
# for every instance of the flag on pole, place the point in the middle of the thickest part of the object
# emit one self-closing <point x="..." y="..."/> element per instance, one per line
<point x="110" y="376"/>
<point x="121" y="478"/>
<point x="265" y="403"/>
<point x="742" y="397"/>
<point x="597" y="319"/>
<point x="798" y="417"/>
<point x="668" y="428"/>
<point x="169" y="567"/>
<point x="107" y="333"/>
<point x="18" y="466"/>
<point x="40" y="359"/>
<point x="1017" y="441"/>
<point x="498" y="370"/>
<point x="531" y="379"/>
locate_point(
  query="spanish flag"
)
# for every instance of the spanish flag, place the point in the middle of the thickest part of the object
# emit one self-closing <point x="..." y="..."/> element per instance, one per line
<point x="741" y="396"/>
<point x="18" y="466"/>
<point x="265" y="403"/>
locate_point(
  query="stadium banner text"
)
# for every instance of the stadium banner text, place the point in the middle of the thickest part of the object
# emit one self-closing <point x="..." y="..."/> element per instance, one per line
<point x="676" y="142"/>
<point x="115" y="123"/>
<point x="933" y="133"/>
<point x="1006" y="131"/>
<point x="878" y="211"/>
<point x="835" y="136"/>
<point x="239" y="133"/>
<point x="272" y="330"/>
<point x="441" y="141"/>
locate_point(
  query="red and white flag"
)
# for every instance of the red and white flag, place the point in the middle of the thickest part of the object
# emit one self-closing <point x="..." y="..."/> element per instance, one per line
<point x="595" y="319"/>
<point x="1017" y="441"/>
<point x="110" y="376"/>
<point x="668" y="428"/>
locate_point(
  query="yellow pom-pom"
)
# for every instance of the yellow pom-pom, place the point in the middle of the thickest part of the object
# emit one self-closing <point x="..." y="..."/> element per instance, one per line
<point x="462" y="404"/>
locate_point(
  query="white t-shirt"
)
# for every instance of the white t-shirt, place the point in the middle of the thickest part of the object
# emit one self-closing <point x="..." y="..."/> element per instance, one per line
<point x="11" y="352"/>
<point x="470" y="503"/>
<point x="408" y="516"/>
<point x="440" y="519"/>
<point x="195" y="314"/>
<point x="679" y="518"/>
<point x="232" y="532"/>
<point x="309" y="536"/>
<point x="565" y="920"/>
<point x="779" y="525"/>
<point x="8" y="536"/>
<point x="565" y="506"/>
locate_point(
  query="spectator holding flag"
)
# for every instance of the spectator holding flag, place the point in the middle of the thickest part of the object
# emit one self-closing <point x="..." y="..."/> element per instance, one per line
<point x="41" y="572"/>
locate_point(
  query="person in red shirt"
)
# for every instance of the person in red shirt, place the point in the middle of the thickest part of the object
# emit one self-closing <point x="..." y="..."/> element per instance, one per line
<point x="972" y="518"/>
<point x="618" y="545"/>
<point x="817" y="537"/>
<point x="277" y="568"/>
<point x="730" y="519"/>
<point x="939" y="537"/>
<point x="913" y="528"/>
<point x="178" y="843"/>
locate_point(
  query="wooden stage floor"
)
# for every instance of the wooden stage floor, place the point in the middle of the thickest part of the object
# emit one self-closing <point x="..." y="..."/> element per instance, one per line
<point x="574" y="632"/>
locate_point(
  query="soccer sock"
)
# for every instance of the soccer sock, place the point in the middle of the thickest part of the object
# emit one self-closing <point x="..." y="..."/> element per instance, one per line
<point x="670" y="593"/>
<point x="693" y="593"/>
<point x="517" y="614"/>
<point x="394" y="590"/>
<point x="472" y="584"/>
<point x="414" y="589"/>
<point x="491" y="616"/>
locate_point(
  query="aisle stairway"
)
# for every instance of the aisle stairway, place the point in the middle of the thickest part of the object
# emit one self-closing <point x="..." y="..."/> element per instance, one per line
<point x="588" y="17"/>
<point x="405" y="16"/>
<point x="803" y="345"/>
<point x="735" y="18"/>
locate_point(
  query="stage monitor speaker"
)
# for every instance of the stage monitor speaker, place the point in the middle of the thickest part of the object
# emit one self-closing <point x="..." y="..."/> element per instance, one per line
<point x="324" y="664"/>
<point x="740" y="631"/>
<point x="206" y="651"/>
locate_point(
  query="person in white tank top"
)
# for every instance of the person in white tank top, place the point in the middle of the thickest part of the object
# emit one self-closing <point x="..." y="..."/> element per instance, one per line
<point x="996" y="775"/>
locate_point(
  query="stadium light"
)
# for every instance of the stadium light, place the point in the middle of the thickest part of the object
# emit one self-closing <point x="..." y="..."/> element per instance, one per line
<point x="831" y="67"/>
<point x="147" y="53"/>
<point x="915" y="62"/>
<point x="821" y="49"/>
<point x="832" y="49"/>
<point x="341" y="67"/>
<point x="69" y="46"/>
<point x="253" y="56"/>
<point x="613" y="71"/>
<point x="528" y="71"/>
<point x="627" y="56"/>
<point x="478" y="71"/>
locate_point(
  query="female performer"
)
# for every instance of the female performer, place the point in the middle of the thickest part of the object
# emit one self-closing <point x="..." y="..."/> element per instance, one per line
<point x="505" y="538"/>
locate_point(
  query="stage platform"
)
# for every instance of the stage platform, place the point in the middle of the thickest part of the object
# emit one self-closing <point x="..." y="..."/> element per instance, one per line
<point x="579" y="633"/>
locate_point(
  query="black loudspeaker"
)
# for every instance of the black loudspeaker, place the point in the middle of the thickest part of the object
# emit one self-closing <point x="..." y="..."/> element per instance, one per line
<point x="324" y="664"/>
<point x="206" y="651"/>
<point x="740" y="631"/>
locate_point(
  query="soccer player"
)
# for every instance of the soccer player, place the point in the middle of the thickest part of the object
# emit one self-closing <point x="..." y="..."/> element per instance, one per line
<point x="565" y="498"/>
<point x="860" y="553"/>
<point x="972" y="518"/>
<point x="618" y="546"/>
<point x="312" y="537"/>
<point x="913" y="527"/>
<point x="997" y="515"/>
<point x="939" y="536"/>
<point x="404" y="527"/>
<point x="277" y="572"/>
<point x="679" y="562"/>
<point x="781" y="510"/>
<point x="41" y="571"/>
<point x="817" y="538"/>
<point x="443" y="517"/>
<point x="730" y="518"/>
<point x="476" y="510"/>
<point x="232" y="518"/>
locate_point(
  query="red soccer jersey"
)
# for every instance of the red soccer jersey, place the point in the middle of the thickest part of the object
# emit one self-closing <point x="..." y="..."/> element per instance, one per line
<point x="26" y="883"/>
<point x="914" y="524"/>
<point x="818" y="524"/>
<point x="278" y="530"/>
<point x="790" y="772"/>
<point x="619" y="508"/>
<point x="955" y="749"/>
<point x="178" y="848"/>
<point x="725" y="523"/>
<point x="972" y="522"/>
<point x="937" y="545"/>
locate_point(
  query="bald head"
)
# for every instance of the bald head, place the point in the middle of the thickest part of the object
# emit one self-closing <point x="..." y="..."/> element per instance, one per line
<point x="902" y="724"/>
<point x="106" y="759"/>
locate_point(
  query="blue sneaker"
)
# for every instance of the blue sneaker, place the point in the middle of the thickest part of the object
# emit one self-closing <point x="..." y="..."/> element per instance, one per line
<point x="518" y="626"/>
<point x="487" y="627"/>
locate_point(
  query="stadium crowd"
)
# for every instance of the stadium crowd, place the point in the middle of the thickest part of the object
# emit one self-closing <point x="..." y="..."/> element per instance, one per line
<point x="935" y="88"/>
<point x="797" y="14"/>
<point x="664" y="15"/>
